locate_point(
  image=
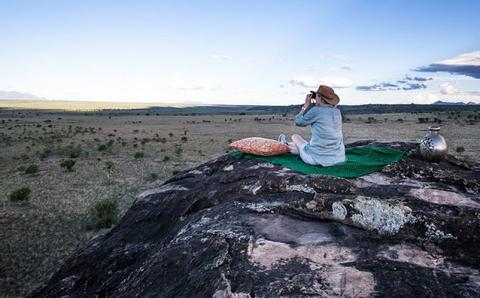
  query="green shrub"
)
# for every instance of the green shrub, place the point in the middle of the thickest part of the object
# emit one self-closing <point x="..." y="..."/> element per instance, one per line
<point x="178" y="150"/>
<point x="166" y="158"/>
<point x="21" y="194"/>
<point x="139" y="155"/>
<point x="103" y="214"/>
<point x="184" y="139"/>
<point x="460" y="149"/>
<point x="31" y="169"/>
<point x="73" y="151"/>
<point x="102" y="147"/>
<point x="68" y="164"/>
<point x="152" y="177"/>
<point x="45" y="153"/>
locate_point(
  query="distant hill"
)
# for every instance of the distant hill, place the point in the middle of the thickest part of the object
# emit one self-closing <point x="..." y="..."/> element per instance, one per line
<point x="154" y="109"/>
<point x="14" y="95"/>
<point x="456" y="103"/>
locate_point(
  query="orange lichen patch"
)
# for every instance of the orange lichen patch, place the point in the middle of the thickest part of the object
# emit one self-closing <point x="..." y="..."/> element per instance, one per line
<point x="260" y="146"/>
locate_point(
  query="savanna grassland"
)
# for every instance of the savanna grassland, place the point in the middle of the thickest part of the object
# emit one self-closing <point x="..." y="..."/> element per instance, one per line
<point x="111" y="158"/>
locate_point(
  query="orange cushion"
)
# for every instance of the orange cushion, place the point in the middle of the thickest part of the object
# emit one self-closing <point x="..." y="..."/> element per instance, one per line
<point x="260" y="146"/>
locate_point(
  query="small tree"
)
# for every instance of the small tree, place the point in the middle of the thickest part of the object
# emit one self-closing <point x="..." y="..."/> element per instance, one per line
<point x="31" y="169"/>
<point x="21" y="194"/>
<point x="68" y="164"/>
<point x="102" y="147"/>
<point x="103" y="214"/>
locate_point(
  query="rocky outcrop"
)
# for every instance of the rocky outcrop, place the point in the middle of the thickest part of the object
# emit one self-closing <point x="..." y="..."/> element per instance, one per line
<point x="242" y="228"/>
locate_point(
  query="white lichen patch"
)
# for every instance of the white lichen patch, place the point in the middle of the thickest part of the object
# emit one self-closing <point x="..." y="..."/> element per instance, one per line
<point x="258" y="207"/>
<point x="381" y="179"/>
<point x="201" y="222"/>
<point x="228" y="168"/>
<point x="435" y="233"/>
<point x="261" y="165"/>
<point x="301" y="188"/>
<point x="229" y="294"/>
<point x="254" y="188"/>
<point x="374" y="178"/>
<point x="443" y="197"/>
<point x="339" y="211"/>
<point x="311" y="204"/>
<point x="380" y="216"/>
<point x="195" y="172"/>
<point x="163" y="189"/>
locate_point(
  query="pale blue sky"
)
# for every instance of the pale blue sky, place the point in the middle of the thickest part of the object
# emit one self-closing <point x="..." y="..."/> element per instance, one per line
<point x="240" y="52"/>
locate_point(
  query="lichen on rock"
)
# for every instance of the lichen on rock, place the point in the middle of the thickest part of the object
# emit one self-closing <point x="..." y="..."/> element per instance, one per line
<point x="383" y="217"/>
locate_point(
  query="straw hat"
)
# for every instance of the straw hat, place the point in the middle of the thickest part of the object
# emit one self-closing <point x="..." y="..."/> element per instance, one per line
<point x="328" y="95"/>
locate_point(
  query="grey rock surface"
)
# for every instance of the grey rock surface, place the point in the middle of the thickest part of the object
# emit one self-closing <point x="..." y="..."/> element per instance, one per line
<point x="240" y="228"/>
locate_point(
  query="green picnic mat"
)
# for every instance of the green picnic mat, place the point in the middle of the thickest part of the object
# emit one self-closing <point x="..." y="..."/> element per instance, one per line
<point x="361" y="161"/>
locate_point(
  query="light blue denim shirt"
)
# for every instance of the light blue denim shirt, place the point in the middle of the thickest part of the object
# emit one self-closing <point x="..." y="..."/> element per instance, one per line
<point x="326" y="145"/>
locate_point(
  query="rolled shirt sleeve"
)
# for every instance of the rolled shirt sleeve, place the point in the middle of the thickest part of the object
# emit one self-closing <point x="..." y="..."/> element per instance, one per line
<point x="305" y="119"/>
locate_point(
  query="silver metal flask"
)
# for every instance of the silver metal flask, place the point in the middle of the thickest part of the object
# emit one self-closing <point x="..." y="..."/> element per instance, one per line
<point x="433" y="146"/>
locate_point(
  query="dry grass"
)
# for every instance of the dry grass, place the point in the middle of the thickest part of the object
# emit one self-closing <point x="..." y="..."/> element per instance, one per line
<point x="39" y="234"/>
<point x="76" y="105"/>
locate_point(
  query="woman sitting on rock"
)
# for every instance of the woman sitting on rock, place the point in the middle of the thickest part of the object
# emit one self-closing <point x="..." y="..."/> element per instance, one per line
<point x="326" y="145"/>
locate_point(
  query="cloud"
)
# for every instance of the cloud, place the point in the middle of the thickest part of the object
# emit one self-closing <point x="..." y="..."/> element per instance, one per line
<point x="386" y="86"/>
<point x="337" y="82"/>
<point x="14" y="95"/>
<point x="220" y="56"/>
<point x="447" y="89"/>
<point x="305" y="81"/>
<point x="467" y="64"/>
<point x="414" y="86"/>
<point x="311" y="82"/>
<point x="425" y="98"/>
<point x="418" y="79"/>
<point x="407" y="83"/>
<point x="346" y="67"/>
<point x="338" y="56"/>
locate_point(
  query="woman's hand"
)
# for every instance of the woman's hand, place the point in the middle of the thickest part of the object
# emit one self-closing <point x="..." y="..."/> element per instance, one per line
<point x="308" y="102"/>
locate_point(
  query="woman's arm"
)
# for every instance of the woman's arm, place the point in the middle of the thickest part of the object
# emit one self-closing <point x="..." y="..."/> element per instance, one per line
<point x="306" y="105"/>
<point x="301" y="119"/>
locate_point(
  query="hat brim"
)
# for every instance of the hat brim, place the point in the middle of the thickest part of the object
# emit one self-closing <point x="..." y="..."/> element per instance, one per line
<point x="334" y="100"/>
